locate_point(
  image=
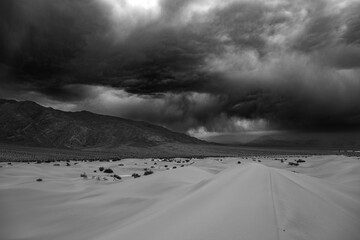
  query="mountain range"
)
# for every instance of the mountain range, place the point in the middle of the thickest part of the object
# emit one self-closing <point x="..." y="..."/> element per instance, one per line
<point x="29" y="124"/>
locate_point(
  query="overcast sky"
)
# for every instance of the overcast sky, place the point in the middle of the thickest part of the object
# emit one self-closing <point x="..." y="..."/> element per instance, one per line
<point x="193" y="66"/>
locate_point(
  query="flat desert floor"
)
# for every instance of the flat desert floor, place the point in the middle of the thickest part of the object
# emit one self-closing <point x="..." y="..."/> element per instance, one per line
<point x="260" y="197"/>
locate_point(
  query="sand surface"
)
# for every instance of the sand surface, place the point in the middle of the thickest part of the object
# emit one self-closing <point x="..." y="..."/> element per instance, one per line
<point x="213" y="198"/>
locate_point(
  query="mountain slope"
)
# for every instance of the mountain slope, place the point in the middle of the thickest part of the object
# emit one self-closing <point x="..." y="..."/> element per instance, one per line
<point x="27" y="123"/>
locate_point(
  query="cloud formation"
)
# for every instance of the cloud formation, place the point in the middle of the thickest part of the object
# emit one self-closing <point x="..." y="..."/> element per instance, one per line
<point x="188" y="64"/>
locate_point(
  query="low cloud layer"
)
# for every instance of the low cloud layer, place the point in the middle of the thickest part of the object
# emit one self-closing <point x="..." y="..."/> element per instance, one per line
<point x="189" y="65"/>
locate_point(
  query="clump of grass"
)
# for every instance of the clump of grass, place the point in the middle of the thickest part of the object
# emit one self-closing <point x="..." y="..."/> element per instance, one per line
<point x="148" y="172"/>
<point x="108" y="170"/>
<point x="135" y="175"/>
<point x="116" y="176"/>
<point x="293" y="164"/>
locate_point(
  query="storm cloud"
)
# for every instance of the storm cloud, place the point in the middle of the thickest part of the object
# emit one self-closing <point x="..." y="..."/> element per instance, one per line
<point x="198" y="65"/>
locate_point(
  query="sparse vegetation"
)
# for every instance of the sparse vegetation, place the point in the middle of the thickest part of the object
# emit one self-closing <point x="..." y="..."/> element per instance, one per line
<point x="116" y="176"/>
<point x="135" y="175"/>
<point x="39" y="155"/>
<point x="148" y="172"/>
<point x="108" y="170"/>
<point x="293" y="164"/>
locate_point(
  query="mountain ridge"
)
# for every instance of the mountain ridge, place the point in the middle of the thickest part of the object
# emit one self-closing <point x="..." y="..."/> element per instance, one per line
<point x="30" y="124"/>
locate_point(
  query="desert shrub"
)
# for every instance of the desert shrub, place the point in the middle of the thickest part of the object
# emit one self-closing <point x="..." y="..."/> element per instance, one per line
<point x="135" y="175"/>
<point x="293" y="164"/>
<point x="148" y="172"/>
<point x="108" y="170"/>
<point x="116" y="176"/>
<point x="56" y="164"/>
<point x="166" y="166"/>
<point x="121" y="164"/>
<point x="39" y="180"/>
<point x="101" y="169"/>
<point x="95" y="171"/>
<point x="174" y="167"/>
<point x="238" y="162"/>
<point x="152" y="167"/>
<point x="83" y="175"/>
<point x="182" y="165"/>
<point x="300" y="161"/>
<point x="67" y="164"/>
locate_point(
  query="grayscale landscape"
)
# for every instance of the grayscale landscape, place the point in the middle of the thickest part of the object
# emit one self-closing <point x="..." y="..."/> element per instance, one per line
<point x="179" y="119"/>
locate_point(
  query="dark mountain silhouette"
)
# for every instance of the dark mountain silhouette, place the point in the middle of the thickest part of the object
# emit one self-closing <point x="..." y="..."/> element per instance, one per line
<point x="29" y="124"/>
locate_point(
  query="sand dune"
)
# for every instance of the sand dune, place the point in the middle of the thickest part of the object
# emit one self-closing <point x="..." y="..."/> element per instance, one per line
<point x="250" y="201"/>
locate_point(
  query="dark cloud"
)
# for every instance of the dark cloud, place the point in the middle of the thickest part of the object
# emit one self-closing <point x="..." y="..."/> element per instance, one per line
<point x="188" y="64"/>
